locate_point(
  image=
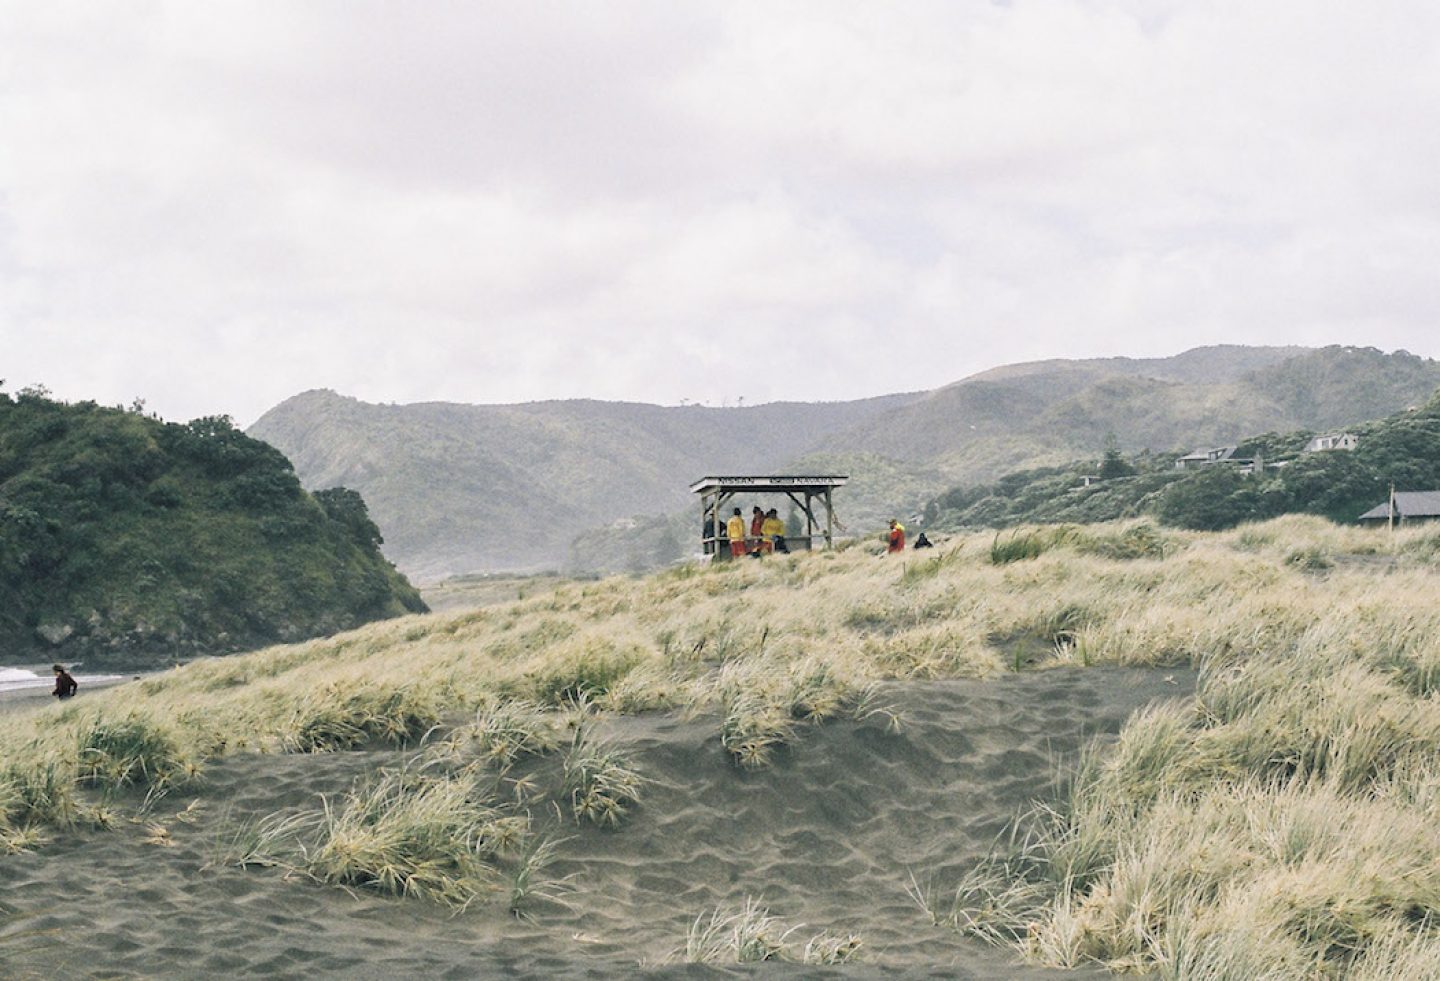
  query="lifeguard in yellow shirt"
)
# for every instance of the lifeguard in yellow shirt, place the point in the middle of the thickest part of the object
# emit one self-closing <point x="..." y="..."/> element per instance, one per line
<point x="773" y="529"/>
<point x="735" y="528"/>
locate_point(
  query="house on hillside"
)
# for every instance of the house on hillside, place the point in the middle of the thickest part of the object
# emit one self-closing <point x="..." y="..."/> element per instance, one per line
<point x="1205" y="458"/>
<point x="1332" y="441"/>
<point x="1409" y="506"/>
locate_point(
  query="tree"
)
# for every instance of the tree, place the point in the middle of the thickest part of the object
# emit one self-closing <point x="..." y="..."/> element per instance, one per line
<point x="347" y="507"/>
<point x="1217" y="497"/>
<point x="1114" y="465"/>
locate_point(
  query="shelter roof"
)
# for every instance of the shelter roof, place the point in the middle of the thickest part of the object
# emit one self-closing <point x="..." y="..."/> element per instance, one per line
<point x="1408" y="504"/>
<point x="774" y="484"/>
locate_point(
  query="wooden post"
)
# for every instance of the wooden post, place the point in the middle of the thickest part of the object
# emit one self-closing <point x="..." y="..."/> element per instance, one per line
<point x="829" y="520"/>
<point x="706" y="547"/>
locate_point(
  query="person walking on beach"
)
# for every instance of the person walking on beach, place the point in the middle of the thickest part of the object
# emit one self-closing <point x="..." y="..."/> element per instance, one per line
<point x="735" y="527"/>
<point x="64" y="684"/>
<point x="895" y="542"/>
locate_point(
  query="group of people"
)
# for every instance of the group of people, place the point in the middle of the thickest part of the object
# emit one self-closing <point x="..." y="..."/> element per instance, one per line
<point x="765" y="534"/>
<point x="895" y="538"/>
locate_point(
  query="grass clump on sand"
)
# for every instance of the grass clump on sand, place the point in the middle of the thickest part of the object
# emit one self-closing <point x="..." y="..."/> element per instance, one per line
<point x="341" y="717"/>
<point x="1283" y="824"/>
<point x="764" y="709"/>
<point x="134" y="749"/>
<point x="1139" y="540"/>
<point x="750" y="934"/>
<point x="416" y="834"/>
<point x="599" y="779"/>
<point x="410" y="831"/>
<point x="32" y="797"/>
<point x="452" y="825"/>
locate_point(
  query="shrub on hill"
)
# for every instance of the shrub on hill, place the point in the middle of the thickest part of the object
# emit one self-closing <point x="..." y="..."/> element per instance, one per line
<point x="127" y="541"/>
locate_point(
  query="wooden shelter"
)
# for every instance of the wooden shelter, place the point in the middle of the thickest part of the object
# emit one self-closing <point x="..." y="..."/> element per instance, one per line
<point x="807" y="492"/>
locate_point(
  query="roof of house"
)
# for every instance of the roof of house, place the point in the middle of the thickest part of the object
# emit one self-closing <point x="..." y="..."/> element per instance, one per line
<point x="1408" y="504"/>
<point x="1215" y="454"/>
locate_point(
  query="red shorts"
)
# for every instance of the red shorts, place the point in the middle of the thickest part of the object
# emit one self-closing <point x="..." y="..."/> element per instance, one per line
<point x="737" y="547"/>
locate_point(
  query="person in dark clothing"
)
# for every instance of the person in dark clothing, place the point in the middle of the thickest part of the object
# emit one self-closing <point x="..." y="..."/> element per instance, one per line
<point x="64" y="684"/>
<point x="922" y="542"/>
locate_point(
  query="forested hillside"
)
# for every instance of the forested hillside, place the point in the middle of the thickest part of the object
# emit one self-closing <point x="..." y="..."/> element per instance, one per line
<point x="1402" y="450"/>
<point x="125" y="541"/>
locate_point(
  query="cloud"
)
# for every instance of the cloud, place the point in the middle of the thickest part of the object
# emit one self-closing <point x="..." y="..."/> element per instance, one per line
<point x="218" y="206"/>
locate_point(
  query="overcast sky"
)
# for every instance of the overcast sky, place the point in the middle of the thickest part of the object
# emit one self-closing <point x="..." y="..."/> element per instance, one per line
<point x="214" y="206"/>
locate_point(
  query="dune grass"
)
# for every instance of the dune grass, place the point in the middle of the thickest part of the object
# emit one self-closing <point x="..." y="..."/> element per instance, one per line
<point x="1278" y="824"/>
<point x="750" y="934"/>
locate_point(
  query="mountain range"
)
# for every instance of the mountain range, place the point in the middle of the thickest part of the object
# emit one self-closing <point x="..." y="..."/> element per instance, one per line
<point x="470" y="488"/>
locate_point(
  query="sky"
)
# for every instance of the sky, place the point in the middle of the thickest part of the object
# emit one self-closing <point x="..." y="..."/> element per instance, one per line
<point x="215" y="206"/>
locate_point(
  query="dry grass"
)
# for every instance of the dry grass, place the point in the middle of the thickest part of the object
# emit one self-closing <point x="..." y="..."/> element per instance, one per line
<point x="1278" y="824"/>
<point x="750" y="934"/>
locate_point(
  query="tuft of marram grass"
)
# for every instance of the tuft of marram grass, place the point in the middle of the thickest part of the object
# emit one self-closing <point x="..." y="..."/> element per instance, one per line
<point x="415" y="834"/>
<point x="343" y="717"/>
<point x="504" y="731"/>
<point x="750" y="934"/>
<point x="600" y="781"/>
<point x="529" y="883"/>
<point x="132" y="749"/>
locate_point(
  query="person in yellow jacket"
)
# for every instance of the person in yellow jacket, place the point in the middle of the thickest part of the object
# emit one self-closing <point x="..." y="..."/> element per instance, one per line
<point x="895" y="542"/>
<point x="774" y="531"/>
<point x="735" y="528"/>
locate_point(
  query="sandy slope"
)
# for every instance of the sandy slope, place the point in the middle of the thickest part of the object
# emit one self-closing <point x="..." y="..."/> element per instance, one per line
<point x="828" y="837"/>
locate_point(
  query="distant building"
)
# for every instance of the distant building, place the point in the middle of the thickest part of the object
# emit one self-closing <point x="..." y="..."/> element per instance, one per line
<point x="1332" y="441"/>
<point x="1409" y="506"/>
<point x="1205" y="458"/>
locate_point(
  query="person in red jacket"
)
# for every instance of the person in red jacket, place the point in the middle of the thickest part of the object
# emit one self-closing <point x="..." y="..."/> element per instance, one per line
<point x="896" y="540"/>
<point x="757" y="531"/>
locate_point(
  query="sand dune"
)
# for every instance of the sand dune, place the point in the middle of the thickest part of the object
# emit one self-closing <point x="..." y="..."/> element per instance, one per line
<point x="828" y="837"/>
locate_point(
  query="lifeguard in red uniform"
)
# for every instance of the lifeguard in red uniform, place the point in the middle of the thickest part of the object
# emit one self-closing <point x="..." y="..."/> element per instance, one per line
<point x="897" y="537"/>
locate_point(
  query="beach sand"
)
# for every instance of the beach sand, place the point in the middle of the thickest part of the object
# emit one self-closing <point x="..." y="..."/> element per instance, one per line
<point x="828" y="837"/>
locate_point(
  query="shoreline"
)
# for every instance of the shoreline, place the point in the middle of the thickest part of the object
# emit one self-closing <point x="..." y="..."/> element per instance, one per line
<point x="18" y="700"/>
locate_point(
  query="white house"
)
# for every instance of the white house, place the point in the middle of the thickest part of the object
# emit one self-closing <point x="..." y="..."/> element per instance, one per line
<point x="1332" y="441"/>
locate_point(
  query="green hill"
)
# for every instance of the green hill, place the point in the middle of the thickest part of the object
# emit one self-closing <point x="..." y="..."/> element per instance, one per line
<point x="1402" y="450"/>
<point x="125" y="541"/>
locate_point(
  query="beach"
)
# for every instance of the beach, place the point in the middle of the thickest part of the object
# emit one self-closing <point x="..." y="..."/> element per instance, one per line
<point x="832" y="837"/>
<point x="27" y="686"/>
